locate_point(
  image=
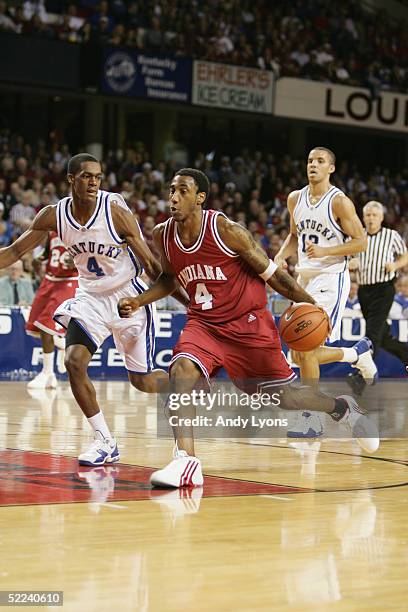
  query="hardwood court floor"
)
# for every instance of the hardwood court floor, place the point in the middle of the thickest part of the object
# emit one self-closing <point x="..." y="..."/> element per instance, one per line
<point x="275" y="527"/>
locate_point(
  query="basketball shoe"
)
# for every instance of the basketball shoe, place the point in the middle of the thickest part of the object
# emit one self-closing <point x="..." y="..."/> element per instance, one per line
<point x="365" y="362"/>
<point x="102" y="450"/>
<point x="367" y="371"/>
<point x="362" y="428"/>
<point x="43" y="381"/>
<point x="306" y="425"/>
<point x="183" y="471"/>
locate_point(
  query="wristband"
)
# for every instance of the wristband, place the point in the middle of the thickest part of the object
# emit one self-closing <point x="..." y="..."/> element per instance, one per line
<point x="269" y="271"/>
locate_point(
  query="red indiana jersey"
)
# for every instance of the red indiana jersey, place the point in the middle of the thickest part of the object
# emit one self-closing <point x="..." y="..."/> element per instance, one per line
<point x="58" y="255"/>
<point x="221" y="286"/>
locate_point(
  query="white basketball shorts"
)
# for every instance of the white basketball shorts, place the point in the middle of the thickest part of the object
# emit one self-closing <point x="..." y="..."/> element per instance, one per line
<point x="330" y="291"/>
<point x="97" y="314"/>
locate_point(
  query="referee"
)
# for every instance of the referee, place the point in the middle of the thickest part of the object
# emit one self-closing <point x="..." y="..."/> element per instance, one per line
<point x="376" y="271"/>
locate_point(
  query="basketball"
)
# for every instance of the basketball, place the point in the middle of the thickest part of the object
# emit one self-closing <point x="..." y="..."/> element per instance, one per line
<point x="303" y="327"/>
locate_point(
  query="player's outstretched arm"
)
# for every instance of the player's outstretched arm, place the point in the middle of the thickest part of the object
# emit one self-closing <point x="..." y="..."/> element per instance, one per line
<point x="166" y="284"/>
<point x="346" y="216"/>
<point x="238" y="239"/>
<point x="44" y="222"/>
<point x="290" y="245"/>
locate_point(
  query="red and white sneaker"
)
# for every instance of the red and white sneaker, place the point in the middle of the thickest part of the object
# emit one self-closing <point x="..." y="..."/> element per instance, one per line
<point x="43" y="381"/>
<point x="183" y="471"/>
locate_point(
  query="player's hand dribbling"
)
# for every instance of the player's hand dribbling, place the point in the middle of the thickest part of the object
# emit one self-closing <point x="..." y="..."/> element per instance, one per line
<point x="128" y="306"/>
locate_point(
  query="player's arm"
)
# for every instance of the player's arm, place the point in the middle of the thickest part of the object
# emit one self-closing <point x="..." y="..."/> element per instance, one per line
<point x="354" y="264"/>
<point x="44" y="222"/>
<point x="346" y="216"/>
<point x="38" y="261"/>
<point x="166" y="284"/>
<point x="127" y="228"/>
<point x="290" y="245"/>
<point x="239" y="240"/>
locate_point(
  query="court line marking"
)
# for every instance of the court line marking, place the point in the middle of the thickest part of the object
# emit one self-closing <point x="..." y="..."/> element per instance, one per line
<point x="110" y="505"/>
<point x="295" y="492"/>
<point x="275" y="497"/>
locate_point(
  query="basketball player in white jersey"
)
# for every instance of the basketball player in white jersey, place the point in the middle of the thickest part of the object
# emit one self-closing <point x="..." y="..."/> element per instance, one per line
<point x="324" y="231"/>
<point x="108" y="250"/>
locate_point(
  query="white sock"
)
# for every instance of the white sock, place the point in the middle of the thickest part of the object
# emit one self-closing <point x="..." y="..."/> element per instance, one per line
<point x="48" y="363"/>
<point x="349" y="355"/>
<point x="98" y="424"/>
<point x="59" y="343"/>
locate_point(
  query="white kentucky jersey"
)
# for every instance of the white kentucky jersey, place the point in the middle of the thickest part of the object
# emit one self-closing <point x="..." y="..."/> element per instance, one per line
<point x="102" y="258"/>
<point x="315" y="223"/>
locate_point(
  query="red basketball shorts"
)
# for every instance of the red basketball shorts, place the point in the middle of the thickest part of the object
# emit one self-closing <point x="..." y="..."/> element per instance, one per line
<point x="49" y="296"/>
<point x="249" y="349"/>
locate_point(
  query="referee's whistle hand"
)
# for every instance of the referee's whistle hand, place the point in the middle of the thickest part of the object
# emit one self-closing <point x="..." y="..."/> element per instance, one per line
<point x="127" y="306"/>
<point x="390" y="266"/>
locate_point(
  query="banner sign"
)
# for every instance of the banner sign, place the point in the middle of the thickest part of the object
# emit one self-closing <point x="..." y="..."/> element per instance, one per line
<point x="146" y="76"/>
<point x="232" y="87"/>
<point x="21" y="355"/>
<point x="315" y="101"/>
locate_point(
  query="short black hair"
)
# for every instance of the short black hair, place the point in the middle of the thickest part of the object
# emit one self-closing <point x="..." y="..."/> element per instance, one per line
<point x="74" y="164"/>
<point x="200" y="179"/>
<point x="329" y="151"/>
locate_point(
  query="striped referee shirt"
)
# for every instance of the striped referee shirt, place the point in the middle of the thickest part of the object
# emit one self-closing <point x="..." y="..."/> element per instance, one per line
<point x="383" y="247"/>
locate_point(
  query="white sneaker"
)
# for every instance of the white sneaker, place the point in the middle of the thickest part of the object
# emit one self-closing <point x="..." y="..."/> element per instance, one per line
<point x="183" y="471"/>
<point x="306" y="425"/>
<point x="365" y="362"/>
<point x="43" y="381"/>
<point x="363" y="430"/>
<point x="102" y="450"/>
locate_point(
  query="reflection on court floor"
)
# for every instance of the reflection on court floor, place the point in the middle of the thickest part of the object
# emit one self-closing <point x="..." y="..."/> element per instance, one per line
<point x="277" y="526"/>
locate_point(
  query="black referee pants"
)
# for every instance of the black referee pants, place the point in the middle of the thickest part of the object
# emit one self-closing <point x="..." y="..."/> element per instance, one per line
<point x="376" y="301"/>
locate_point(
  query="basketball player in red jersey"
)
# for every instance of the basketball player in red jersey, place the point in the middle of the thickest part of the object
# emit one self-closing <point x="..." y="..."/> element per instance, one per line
<point x="59" y="284"/>
<point x="224" y="272"/>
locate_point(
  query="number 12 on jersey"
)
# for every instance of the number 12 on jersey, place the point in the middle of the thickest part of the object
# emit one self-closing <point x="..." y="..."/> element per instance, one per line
<point x="203" y="297"/>
<point x="94" y="267"/>
<point x="311" y="238"/>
